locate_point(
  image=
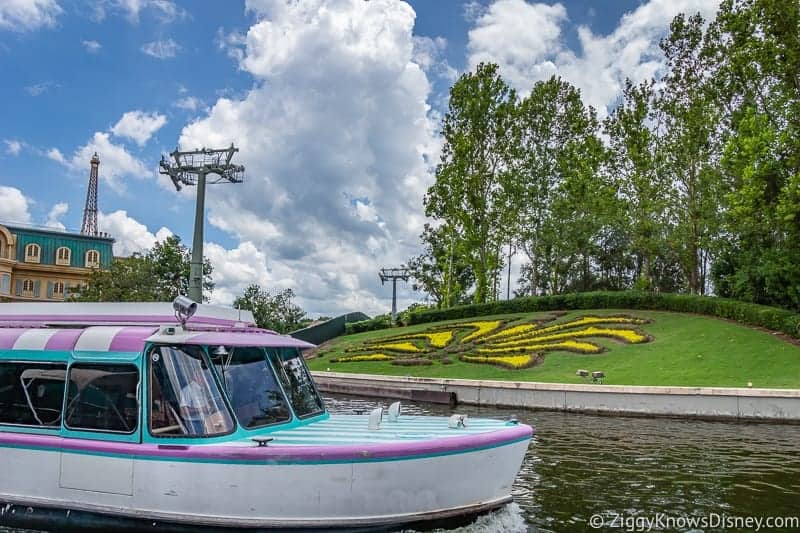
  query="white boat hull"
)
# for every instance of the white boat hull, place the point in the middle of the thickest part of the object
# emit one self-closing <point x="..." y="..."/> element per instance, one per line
<point x="370" y="493"/>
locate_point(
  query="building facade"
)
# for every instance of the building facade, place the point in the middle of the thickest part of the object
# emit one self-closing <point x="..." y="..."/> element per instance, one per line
<point x="48" y="265"/>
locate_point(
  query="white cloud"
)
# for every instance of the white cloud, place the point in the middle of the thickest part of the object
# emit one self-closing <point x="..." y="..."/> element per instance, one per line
<point x="116" y="162"/>
<point x="503" y="35"/>
<point x="14" y="206"/>
<point x="161" y="49"/>
<point x="190" y="103"/>
<point x="518" y="36"/>
<point x="129" y="234"/>
<point x="26" y="15"/>
<point x="56" y="155"/>
<point x="138" y="126"/>
<point x="92" y="46"/>
<point x="40" y="88"/>
<point x="429" y="55"/>
<point x="54" y="216"/>
<point x="235" y="269"/>
<point x="339" y="111"/>
<point x="164" y="10"/>
<point x="13" y="147"/>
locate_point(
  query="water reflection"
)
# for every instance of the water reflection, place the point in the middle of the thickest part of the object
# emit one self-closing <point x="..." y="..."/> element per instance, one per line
<point x="581" y="465"/>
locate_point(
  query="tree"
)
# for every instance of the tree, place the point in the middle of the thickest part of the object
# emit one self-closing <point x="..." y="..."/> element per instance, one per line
<point x="635" y="164"/>
<point x="691" y="145"/>
<point x="441" y="270"/>
<point x="271" y="311"/>
<point x="758" y="53"/>
<point x="159" y="275"/>
<point x="130" y="279"/>
<point x="171" y="263"/>
<point x="468" y="194"/>
<point x="561" y="198"/>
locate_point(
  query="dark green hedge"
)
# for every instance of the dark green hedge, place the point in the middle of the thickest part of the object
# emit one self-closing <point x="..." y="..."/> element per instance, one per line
<point x="379" y="322"/>
<point x="750" y="314"/>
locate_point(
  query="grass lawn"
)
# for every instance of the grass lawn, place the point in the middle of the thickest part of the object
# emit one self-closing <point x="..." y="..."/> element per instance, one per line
<point x="686" y="350"/>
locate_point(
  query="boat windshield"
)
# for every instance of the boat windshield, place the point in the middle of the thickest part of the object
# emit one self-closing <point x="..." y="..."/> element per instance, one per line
<point x="296" y="381"/>
<point x="184" y="398"/>
<point x="251" y="386"/>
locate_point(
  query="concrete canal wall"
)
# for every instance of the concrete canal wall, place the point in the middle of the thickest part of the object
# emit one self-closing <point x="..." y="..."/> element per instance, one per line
<point x="773" y="405"/>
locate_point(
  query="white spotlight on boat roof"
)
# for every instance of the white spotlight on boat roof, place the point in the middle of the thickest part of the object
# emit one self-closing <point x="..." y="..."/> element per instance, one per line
<point x="394" y="412"/>
<point x="184" y="308"/>
<point x="374" y="421"/>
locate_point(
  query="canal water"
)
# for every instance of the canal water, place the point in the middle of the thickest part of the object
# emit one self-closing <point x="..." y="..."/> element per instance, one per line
<point x="628" y="470"/>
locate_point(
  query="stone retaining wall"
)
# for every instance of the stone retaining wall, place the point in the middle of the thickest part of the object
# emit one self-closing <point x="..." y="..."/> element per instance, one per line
<point x="774" y="405"/>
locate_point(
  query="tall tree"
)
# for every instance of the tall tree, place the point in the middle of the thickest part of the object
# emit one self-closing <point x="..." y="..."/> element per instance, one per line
<point x="634" y="130"/>
<point x="468" y="193"/>
<point x="691" y="149"/>
<point x="271" y="311"/>
<point x="440" y="270"/>
<point x="758" y="50"/>
<point x="159" y="275"/>
<point x="561" y="197"/>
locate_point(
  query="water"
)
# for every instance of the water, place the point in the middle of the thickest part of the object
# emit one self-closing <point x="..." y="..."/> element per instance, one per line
<point x="634" y="468"/>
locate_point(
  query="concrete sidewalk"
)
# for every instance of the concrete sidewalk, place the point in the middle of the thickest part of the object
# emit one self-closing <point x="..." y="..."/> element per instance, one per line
<point x="773" y="405"/>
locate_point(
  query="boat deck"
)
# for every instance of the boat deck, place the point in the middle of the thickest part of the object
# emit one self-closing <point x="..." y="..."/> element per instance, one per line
<point x="353" y="429"/>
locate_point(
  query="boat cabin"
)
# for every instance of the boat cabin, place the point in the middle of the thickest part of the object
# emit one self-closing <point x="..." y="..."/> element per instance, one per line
<point x="137" y="381"/>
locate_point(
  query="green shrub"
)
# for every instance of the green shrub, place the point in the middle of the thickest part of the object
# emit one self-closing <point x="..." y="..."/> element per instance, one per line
<point x="379" y="322"/>
<point x="750" y="314"/>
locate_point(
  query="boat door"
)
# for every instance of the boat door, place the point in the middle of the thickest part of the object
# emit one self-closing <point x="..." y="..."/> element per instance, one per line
<point x="101" y="427"/>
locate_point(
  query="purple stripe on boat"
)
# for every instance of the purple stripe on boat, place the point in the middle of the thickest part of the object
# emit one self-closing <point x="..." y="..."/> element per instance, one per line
<point x="107" y="319"/>
<point x="131" y="339"/>
<point x="248" y="339"/>
<point x="9" y="336"/>
<point x="275" y="453"/>
<point x="63" y="339"/>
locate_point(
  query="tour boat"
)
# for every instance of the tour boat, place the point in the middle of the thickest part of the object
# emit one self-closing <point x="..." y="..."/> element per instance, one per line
<point x="183" y="416"/>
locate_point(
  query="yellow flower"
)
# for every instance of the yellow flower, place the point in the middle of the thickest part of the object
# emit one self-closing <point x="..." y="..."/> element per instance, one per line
<point x="398" y="347"/>
<point x="512" y="331"/>
<point x="568" y="345"/>
<point x="368" y="357"/>
<point x="481" y="328"/>
<point x="438" y="339"/>
<point x="624" y="335"/>
<point x="511" y="361"/>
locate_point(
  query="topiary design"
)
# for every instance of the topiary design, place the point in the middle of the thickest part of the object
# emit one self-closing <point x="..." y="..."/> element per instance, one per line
<point x="491" y="342"/>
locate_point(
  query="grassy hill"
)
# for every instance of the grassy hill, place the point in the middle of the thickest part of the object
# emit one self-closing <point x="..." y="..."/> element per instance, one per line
<point x="664" y="348"/>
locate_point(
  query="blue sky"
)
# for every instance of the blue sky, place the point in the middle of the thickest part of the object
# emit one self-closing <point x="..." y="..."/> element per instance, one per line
<point x="334" y="103"/>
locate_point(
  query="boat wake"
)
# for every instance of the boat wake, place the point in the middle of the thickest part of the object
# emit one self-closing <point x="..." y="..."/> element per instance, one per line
<point x="509" y="519"/>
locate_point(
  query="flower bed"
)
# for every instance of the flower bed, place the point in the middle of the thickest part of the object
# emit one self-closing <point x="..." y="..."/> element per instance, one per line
<point x="494" y="342"/>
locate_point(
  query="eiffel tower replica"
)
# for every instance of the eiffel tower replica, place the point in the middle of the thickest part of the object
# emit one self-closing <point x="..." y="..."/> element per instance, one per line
<point x="89" y="226"/>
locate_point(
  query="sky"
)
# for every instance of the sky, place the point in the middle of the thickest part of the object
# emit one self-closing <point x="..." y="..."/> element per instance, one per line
<point x="335" y="106"/>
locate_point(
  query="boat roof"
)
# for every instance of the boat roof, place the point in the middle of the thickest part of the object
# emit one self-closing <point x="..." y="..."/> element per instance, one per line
<point x="134" y="338"/>
<point x="118" y="314"/>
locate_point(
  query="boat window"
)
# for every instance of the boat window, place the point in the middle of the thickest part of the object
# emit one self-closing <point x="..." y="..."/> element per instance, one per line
<point x="184" y="398"/>
<point x="32" y="394"/>
<point x="296" y="381"/>
<point x="103" y="397"/>
<point x="253" y="392"/>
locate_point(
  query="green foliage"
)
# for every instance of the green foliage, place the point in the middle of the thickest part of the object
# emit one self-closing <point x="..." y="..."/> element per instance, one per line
<point x="375" y="323"/>
<point x="271" y="311"/>
<point x="159" y="275"/>
<point x="441" y="270"/>
<point x="750" y="314"/>
<point x="468" y="193"/>
<point x="696" y="182"/>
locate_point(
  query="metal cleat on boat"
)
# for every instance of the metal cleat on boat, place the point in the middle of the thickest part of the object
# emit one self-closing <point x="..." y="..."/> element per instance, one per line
<point x="457" y="421"/>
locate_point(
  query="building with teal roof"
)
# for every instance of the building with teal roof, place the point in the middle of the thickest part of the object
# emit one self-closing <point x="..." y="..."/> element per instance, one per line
<point x="46" y="264"/>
